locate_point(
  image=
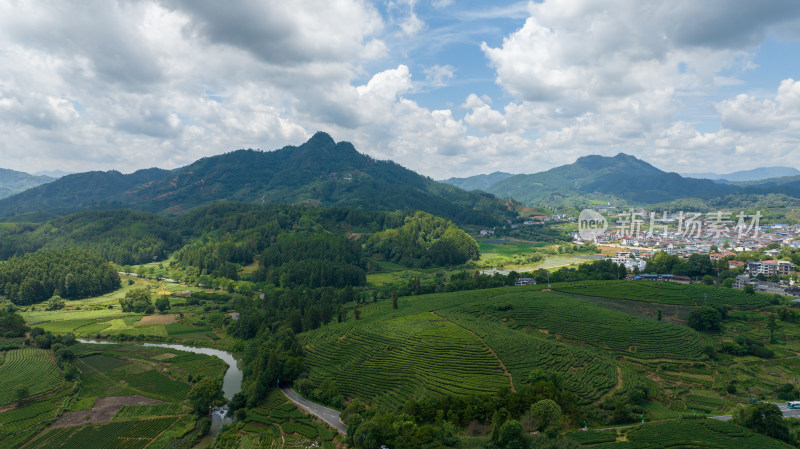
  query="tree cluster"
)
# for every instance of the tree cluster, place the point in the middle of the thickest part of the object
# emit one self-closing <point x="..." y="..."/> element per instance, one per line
<point x="422" y="241"/>
<point x="70" y="273"/>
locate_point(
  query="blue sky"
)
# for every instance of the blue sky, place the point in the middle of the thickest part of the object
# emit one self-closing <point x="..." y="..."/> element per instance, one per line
<point x="444" y="87"/>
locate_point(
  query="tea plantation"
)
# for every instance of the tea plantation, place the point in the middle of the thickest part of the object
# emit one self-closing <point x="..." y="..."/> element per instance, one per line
<point x="454" y="344"/>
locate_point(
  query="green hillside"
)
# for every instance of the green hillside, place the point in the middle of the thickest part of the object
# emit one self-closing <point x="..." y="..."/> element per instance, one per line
<point x="13" y="182"/>
<point x="318" y="172"/>
<point x="460" y="343"/>
<point x="598" y="177"/>
<point x="478" y="182"/>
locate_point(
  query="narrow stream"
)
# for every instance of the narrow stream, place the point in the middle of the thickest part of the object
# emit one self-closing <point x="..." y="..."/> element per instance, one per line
<point x="231" y="383"/>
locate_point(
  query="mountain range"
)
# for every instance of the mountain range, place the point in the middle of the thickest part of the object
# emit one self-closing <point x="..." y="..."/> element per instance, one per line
<point x="756" y="174"/>
<point x="12" y="182"/>
<point x="324" y="172"/>
<point x="319" y="171"/>
<point x="479" y="182"/>
<point x="621" y="177"/>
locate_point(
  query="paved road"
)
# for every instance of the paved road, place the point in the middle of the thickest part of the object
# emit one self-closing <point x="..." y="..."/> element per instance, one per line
<point x="326" y="414"/>
<point x="787" y="412"/>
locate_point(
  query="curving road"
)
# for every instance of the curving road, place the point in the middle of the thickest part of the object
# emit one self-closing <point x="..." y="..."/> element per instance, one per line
<point x="326" y="414"/>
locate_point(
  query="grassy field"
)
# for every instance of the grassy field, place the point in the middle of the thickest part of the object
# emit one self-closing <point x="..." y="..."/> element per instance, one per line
<point x="103" y="315"/>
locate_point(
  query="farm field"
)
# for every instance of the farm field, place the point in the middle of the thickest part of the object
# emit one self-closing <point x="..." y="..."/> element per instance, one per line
<point x="276" y="419"/>
<point x="129" y="396"/>
<point x="521" y="327"/>
<point x="103" y="316"/>
<point x="686" y="433"/>
<point x="29" y="367"/>
<point x="665" y="293"/>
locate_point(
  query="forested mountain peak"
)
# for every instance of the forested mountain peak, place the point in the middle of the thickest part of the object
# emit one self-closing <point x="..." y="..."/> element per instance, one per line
<point x="319" y="171"/>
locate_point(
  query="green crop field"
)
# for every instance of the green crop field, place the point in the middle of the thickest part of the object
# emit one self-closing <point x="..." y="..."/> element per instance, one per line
<point x="118" y="434"/>
<point x="27" y="367"/>
<point x="453" y="343"/>
<point x="692" y="433"/>
<point x="389" y="361"/>
<point x="144" y="411"/>
<point x="664" y="292"/>
<point x="277" y="419"/>
<point x="581" y="322"/>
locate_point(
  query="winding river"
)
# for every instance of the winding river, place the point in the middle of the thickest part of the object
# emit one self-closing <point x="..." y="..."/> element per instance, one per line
<point x="231" y="383"/>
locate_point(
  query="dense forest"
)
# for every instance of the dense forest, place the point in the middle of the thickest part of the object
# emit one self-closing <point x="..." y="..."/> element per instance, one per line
<point x="423" y="241"/>
<point x="71" y="273"/>
<point x="121" y="236"/>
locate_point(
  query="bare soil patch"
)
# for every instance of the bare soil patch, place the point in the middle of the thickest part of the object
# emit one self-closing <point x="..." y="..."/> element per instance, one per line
<point x="104" y="409"/>
<point x="168" y="318"/>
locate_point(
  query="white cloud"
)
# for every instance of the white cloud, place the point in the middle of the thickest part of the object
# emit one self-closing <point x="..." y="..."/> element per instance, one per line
<point x="133" y="83"/>
<point x="438" y="75"/>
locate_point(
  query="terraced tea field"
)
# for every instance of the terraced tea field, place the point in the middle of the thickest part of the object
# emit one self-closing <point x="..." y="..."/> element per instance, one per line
<point x="277" y="420"/>
<point x="32" y="368"/>
<point x="687" y="433"/>
<point x="454" y="343"/>
<point x="390" y="361"/>
<point x="585" y="323"/>
<point x="665" y="292"/>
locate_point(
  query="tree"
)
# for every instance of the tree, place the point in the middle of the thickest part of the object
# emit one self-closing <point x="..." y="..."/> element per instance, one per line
<point x="765" y="418"/>
<point x="21" y="393"/>
<point x="706" y="319"/>
<point x="12" y="324"/>
<point x="728" y="282"/>
<point x="772" y="325"/>
<point x="394" y="299"/>
<point x="204" y="393"/>
<point x="137" y="300"/>
<point x="546" y="414"/>
<point x="55" y="303"/>
<point x="708" y="279"/>
<point x="749" y="289"/>
<point x="511" y="436"/>
<point x="162" y="303"/>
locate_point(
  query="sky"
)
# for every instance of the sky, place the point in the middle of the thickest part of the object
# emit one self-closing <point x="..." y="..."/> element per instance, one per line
<point x="443" y="87"/>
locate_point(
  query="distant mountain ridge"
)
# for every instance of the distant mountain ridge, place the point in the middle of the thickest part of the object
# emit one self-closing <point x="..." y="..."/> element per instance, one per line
<point x="12" y="182"/>
<point x="756" y="174"/>
<point x="319" y="171"/>
<point x="478" y="182"/>
<point x="627" y="178"/>
<point x="621" y="176"/>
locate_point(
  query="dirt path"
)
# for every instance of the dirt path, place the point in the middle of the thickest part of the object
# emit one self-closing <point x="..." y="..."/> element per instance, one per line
<point x="613" y="389"/>
<point x="502" y="365"/>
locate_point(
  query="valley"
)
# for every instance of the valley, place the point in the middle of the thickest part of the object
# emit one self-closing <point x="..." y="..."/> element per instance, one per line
<point x="417" y="330"/>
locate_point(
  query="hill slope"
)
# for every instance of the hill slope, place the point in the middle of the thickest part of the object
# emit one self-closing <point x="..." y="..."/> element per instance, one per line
<point x="320" y="171"/>
<point x="478" y="182"/>
<point x="621" y="176"/>
<point x="756" y="174"/>
<point x="12" y="182"/>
